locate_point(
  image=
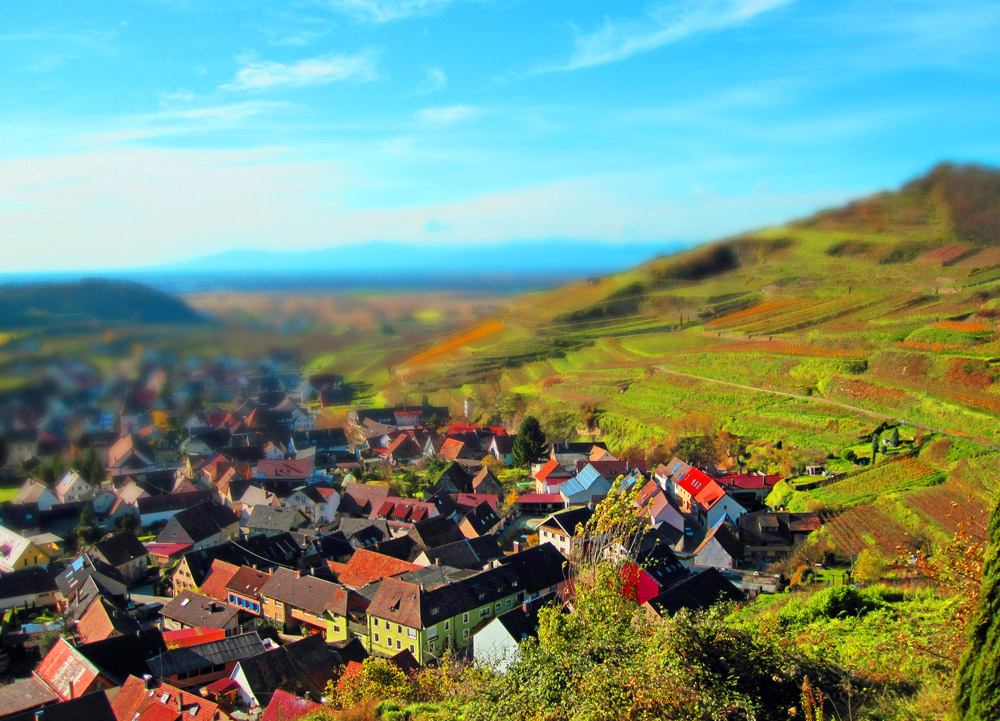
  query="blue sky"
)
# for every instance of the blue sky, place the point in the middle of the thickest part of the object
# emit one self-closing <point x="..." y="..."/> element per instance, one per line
<point x="156" y="130"/>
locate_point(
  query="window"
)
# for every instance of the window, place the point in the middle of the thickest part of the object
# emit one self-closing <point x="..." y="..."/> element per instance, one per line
<point x="465" y="617"/>
<point x="447" y="624"/>
<point x="399" y="644"/>
<point x="465" y="633"/>
<point x="399" y="629"/>
<point x="411" y="633"/>
<point x="484" y="612"/>
<point x="499" y="606"/>
<point x="413" y="649"/>
<point x="376" y="638"/>
<point x="508" y="603"/>
<point x="432" y="632"/>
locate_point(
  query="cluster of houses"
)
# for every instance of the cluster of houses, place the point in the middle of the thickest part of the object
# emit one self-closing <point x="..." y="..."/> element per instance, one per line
<point x="244" y="566"/>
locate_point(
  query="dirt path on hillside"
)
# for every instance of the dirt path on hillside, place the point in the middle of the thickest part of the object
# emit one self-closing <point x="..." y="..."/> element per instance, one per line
<point x="826" y="401"/>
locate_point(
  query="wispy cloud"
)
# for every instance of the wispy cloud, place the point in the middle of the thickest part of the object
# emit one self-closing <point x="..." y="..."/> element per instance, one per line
<point x="448" y="114"/>
<point x="265" y="75"/>
<point x="434" y="79"/>
<point x="381" y="11"/>
<point x="665" y="24"/>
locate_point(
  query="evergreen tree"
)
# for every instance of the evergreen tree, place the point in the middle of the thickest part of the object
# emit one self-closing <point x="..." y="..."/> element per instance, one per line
<point x="90" y="467"/>
<point x="978" y="693"/>
<point x="529" y="445"/>
<point x="894" y="438"/>
<point x="875" y="440"/>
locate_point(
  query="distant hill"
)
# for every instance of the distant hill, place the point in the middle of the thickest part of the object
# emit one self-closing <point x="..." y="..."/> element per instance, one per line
<point x="88" y="301"/>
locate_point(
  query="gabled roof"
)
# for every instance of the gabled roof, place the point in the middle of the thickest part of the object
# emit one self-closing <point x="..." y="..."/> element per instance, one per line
<point x="539" y="567"/>
<point x="482" y="519"/>
<point x="210" y="653"/>
<point x="552" y="471"/>
<point x="67" y="671"/>
<point x="92" y="706"/>
<point x="368" y="567"/>
<point x="435" y="531"/>
<point x="247" y="582"/>
<point x="120" y="548"/>
<point x="194" y="609"/>
<point x="103" y="620"/>
<point x="727" y="535"/>
<point x="290" y="469"/>
<point x="567" y="521"/>
<point x="298" y="667"/>
<point x="163" y="702"/>
<point x="119" y="656"/>
<point x="285" y="706"/>
<point x="268" y="518"/>
<point x="362" y="498"/>
<point x="698" y="590"/>
<point x="128" y="445"/>
<point x="306" y="592"/>
<point x="200" y="522"/>
<point x="701" y="487"/>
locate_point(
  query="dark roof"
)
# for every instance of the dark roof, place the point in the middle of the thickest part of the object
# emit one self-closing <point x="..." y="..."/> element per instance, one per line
<point x="539" y="566"/>
<point x="364" y="532"/>
<point x="322" y="438"/>
<point x="776" y="528"/>
<point x="299" y="667"/>
<point x="120" y="548"/>
<point x="482" y="518"/>
<point x="165" y="502"/>
<point x="85" y="568"/>
<point x="660" y="562"/>
<point x="433" y="532"/>
<point x="567" y="521"/>
<point x="191" y="658"/>
<point x="91" y="706"/>
<point x="728" y="536"/>
<point x="359" y="499"/>
<point x="28" y="581"/>
<point x="120" y="656"/>
<point x="521" y="623"/>
<point x="309" y="593"/>
<point x="259" y="550"/>
<point x="699" y="590"/>
<point x="247" y="581"/>
<point x="472" y="553"/>
<point x="200" y="522"/>
<point x="23" y="696"/>
<point x="268" y="518"/>
<point x="194" y="609"/>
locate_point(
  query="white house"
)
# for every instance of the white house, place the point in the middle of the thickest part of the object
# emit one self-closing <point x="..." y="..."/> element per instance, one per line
<point x="318" y="503"/>
<point x="72" y="488"/>
<point x="34" y="491"/>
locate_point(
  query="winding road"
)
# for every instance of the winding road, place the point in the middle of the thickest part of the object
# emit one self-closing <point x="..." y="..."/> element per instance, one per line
<point x="826" y="401"/>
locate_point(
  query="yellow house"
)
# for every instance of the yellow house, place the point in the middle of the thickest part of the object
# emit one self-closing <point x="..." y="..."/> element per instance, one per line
<point x="306" y="603"/>
<point x="17" y="552"/>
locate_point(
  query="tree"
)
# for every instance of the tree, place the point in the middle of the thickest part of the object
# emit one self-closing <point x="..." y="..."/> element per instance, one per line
<point x="530" y="445"/>
<point x="875" y="438"/>
<point x="978" y="688"/>
<point x="52" y="470"/>
<point x="894" y="438"/>
<point x="90" y="467"/>
<point x="869" y="566"/>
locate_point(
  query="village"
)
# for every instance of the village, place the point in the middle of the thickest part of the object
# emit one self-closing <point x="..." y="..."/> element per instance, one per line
<point x="195" y="544"/>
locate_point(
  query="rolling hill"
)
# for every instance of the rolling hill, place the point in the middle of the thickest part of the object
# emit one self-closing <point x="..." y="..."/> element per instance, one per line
<point x="42" y="305"/>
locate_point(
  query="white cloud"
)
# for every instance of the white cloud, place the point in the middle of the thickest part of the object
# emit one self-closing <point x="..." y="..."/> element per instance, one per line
<point x="434" y="79"/>
<point x="264" y="75"/>
<point x="448" y="114"/>
<point x="380" y="11"/>
<point x="668" y="23"/>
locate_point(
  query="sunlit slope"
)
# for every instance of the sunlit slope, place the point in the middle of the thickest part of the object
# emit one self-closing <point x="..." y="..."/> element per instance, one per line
<point x="888" y="304"/>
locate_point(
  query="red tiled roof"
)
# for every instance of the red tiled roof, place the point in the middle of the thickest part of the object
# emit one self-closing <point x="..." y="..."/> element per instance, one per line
<point x="222" y="685"/>
<point x="220" y="574"/>
<point x="195" y="636"/>
<point x="552" y="468"/>
<point x="474" y="499"/>
<point x="165" y="550"/>
<point x="748" y="482"/>
<point x="367" y="567"/>
<point x="288" y="707"/>
<point x="135" y="701"/>
<point x="386" y="508"/>
<point x="450" y="449"/>
<point x="66" y="671"/>
<point x="284" y="468"/>
<point x="705" y="491"/>
<point x="540" y="498"/>
<point x="418" y="514"/>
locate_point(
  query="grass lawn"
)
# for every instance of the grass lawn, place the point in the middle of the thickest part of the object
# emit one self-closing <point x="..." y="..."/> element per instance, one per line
<point x="7" y="494"/>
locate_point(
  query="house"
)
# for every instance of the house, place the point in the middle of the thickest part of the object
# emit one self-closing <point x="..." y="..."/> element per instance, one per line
<point x="403" y="512"/>
<point x="542" y="570"/>
<point x="584" y="487"/>
<point x="205" y="525"/>
<point x="243" y="589"/>
<point x="502" y="448"/>
<point x="86" y="579"/>
<point x="103" y="620"/>
<point x="72" y="488"/>
<point x="165" y="506"/>
<point x="359" y="500"/>
<point x="20" y="702"/>
<point x="272" y="521"/>
<point x="697" y="492"/>
<point x="486" y="482"/>
<point x="130" y="455"/>
<point x="480" y="521"/>
<point x="559" y="529"/>
<point x="214" y="585"/>
<point x="297" y="601"/>
<point x="264" y="552"/>
<point x="147" y="699"/>
<point x="472" y="553"/>
<point x="193" y="610"/>
<point x="202" y="663"/>
<point x="31" y="586"/>
<point x="568" y="454"/>
<point x="497" y="643"/>
<point x="361" y="532"/>
<point x="533" y="503"/>
<point x="300" y="668"/>
<point x="721" y="547"/>
<point x="771" y="536"/>
<point x="286" y="472"/>
<point x="126" y="554"/>
<point x="69" y="674"/>
<point x="549" y="476"/>
<point x="285" y="706"/>
<point x="695" y="591"/>
<point x="654" y="504"/>
<point x="34" y="491"/>
<point x="367" y="567"/>
<point x="650" y="572"/>
<point x="318" y="503"/>
<point x="18" y="552"/>
<point x="326" y="439"/>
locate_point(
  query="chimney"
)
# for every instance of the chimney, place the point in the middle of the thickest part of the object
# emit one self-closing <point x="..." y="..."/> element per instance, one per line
<point x="180" y="701"/>
<point x="147" y="680"/>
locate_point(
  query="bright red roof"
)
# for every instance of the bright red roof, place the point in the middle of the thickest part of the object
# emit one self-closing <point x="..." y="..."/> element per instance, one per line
<point x="166" y="549"/>
<point x="367" y="567"/>
<point x="705" y="491"/>
<point x="288" y="707"/>
<point x="552" y="468"/>
<point x="540" y="498"/>
<point x="192" y="636"/>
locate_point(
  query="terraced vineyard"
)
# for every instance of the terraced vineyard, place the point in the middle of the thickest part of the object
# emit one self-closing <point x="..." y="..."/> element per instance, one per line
<point x="898" y="475"/>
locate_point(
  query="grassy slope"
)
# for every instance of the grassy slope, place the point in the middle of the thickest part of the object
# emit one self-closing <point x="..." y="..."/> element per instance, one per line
<point x="888" y="304"/>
